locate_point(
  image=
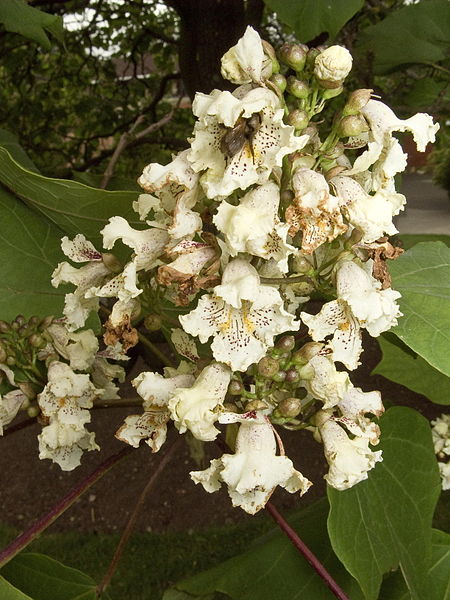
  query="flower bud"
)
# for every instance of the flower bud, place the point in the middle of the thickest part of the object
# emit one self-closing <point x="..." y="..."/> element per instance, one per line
<point x="46" y="323"/>
<point x="112" y="263"/>
<point x="293" y="55"/>
<point x="230" y="407"/>
<point x="313" y="53"/>
<point x="356" y="102"/>
<point x="279" y="81"/>
<point x="286" y="343"/>
<point x="352" y="125"/>
<point x="292" y="376"/>
<point x="255" y="405"/>
<point x="333" y="64"/>
<point x="3" y="354"/>
<point x="28" y="390"/>
<point x="268" y="366"/>
<point x="36" y="341"/>
<point x="152" y="322"/>
<point x="20" y="320"/>
<point x="298" y="119"/>
<point x="289" y="407"/>
<point x="329" y="93"/>
<point x="301" y="264"/>
<point x="33" y="321"/>
<point x="235" y="388"/>
<point x="297" y="87"/>
<point x="4" y="327"/>
<point x="279" y="377"/>
<point x="10" y="361"/>
<point x="33" y="411"/>
<point x="306" y="372"/>
<point x="269" y="51"/>
<point x="306" y="353"/>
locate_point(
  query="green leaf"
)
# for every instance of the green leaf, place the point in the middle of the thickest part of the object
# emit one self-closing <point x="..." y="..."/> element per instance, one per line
<point x="438" y="587"/>
<point x="405" y="367"/>
<point x="424" y="92"/>
<point x="17" y="16"/>
<point x="408" y="240"/>
<point x="31" y="249"/>
<point x="10" y="142"/>
<point x="309" y="18"/>
<point x="9" y="592"/>
<point x="418" y="33"/>
<point x="385" y="521"/>
<point x="422" y="276"/>
<point x="44" y="578"/>
<point x="115" y="183"/>
<point x="74" y="207"/>
<point x="273" y="568"/>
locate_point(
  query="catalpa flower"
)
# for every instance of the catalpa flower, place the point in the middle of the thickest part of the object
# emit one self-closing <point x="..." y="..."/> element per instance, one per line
<point x="196" y="408"/>
<point x="333" y="64"/>
<point x="254" y="471"/>
<point x="78" y="348"/>
<point x="253" y="226"/>
<point x="314" y="211"/>
<point x="246" y="62"/>
<point x="239" y="141"/>
<point x="64" y="444"/>
<point x="176" y="191"/>
<point x="349" y="459"/>
<point x="10" y="404"/>
<point x="241" y="315"/>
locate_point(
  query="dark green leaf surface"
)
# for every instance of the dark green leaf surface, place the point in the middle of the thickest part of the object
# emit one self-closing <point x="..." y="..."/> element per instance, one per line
<point x="17" y="16"/>
<point x="44" y="578"/>
<point x="74" y="207"/>
<point x="273" y="568"/>
<point x="409" y="369"/>
<point x="309" y="18"/>
<point x="385" y="521"/>
<point x="418" y="33"/>
<point x="10" y="142"/>
<point x="9" y="592"/>
<point x="31" y="249"/>
<point x="422" y="276"/>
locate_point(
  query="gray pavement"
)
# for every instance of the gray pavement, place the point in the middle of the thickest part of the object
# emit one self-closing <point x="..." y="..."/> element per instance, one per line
<point x="427" y="206"/>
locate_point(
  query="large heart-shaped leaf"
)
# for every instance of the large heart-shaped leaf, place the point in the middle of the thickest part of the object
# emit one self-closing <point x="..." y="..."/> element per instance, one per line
<point x="74" y="207"/>
<point x="403" y="366"/>
<point x="422" y="275"/>
<point x="44" y="578"/>
<point x="17" y="16"/>
<point x="309" y="18"/>
<point x="418" y="33"/>
<point x="385" y="521"/>
<point x="9" y="592"/>
<point x="31" y="249"/>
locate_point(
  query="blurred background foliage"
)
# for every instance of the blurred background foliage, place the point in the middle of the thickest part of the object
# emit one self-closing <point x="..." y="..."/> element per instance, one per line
<point x="79" y="82"/>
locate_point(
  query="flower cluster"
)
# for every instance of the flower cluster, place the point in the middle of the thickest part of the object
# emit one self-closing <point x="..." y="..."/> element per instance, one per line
<point x="269" y="206"/>
<point x="441" y="439"/>
<point x="41" y="360"/>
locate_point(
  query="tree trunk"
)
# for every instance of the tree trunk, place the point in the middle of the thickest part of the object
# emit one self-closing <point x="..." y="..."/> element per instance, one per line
<point x="208" y="29"/>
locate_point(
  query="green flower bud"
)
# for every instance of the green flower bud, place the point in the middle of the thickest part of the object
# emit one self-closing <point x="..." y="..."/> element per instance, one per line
<point x="152" y="322"/>
<point x="279" y="377"/>
<point x="36" y="340"/>
<point x="356" y="102"/>
<point x="269" y="51"/>
<point x="306" y="353"/>
<point x="33" y="321"/>
<point x="11" y="361"/>
<point x="293" y="55"/>
<point x="290" y="407"/>
<point x="292" y="376"/>
<point x="297" y="87"/>
<point x="313" y="53"/>
<point x="352" y="125"/>
<point x="329" y="93"/>
<point x="298" y="119"/>
<point x="33" y="411"/>
<point x="255" y="405"/>
<point x="268" y="366"/>
<point x="3" y="354"/>
<point x="286" y="343"/>
<point x="279" y="81"/>
<point x="235" y="388"/>
<point x="4" y="327"/>
<point x="306" y="372"/>
<point x="46" y="323"/>
<point x="20" y="320"/>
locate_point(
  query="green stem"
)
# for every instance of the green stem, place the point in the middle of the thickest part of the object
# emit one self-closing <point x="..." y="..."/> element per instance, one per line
<point x="155" y="350"/>
<point x="286" y="280"/>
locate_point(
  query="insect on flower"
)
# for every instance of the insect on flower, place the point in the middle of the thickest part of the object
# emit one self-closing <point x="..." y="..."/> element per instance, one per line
<point x="235" y="138"/>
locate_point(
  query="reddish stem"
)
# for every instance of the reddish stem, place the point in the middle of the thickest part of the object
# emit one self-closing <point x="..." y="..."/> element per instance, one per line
<point x="306" y="552"/>
<point x="132" y="520"/>
<point x="30" y="534"/>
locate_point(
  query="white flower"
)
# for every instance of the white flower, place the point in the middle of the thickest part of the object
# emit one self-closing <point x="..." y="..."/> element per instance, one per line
<point x="354" y="406"/>
<point x="444" y="470"/>
<point x="253" y="226"/>
<point x="176" y="190"/>
<point x="102" y="375"/>
<point x="246" y="62"/>
<point x="441" y="435"/>
<point x="314" y="211"/>
<point x="253" y="472"/>
<point x="78" y="348"/>
<point x="372" y="215"/>
<point x="67" y="395"/>
<point x="196" y="408"/>
<point x="263" y="146"/>
<point x="333" y="64"/>
<point x="242" y="315"/>
<point x="77" y="305"/>
<point x="184" y="344"/>
<point x="324" y="381"/>
<point x="375" y="308"/>
<point x="10" y="404"/>
<point x="157" y="389"/>
<point x="151" y="426"/>
<point x="148" y="245"/>
<point x="349" y="459"/>
<point x="64" y="444"/>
